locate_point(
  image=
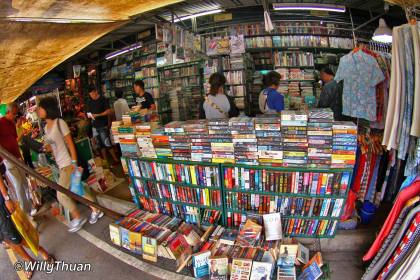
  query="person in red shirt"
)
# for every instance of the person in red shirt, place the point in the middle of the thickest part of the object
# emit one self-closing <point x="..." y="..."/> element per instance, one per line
<point x="8" y="140"/>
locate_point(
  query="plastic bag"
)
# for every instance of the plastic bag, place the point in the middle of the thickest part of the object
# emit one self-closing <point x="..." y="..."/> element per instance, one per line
<point x="26" y="229"/>
<point x="76" y="182"/>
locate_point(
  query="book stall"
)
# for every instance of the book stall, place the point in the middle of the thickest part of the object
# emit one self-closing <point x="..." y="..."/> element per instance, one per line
<point x="226" y="197"/>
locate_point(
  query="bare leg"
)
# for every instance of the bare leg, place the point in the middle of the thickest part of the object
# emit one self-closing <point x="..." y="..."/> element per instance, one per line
<point x="103" y="153"/>
<point x="75" y="214"/>
<point x="18" y="249"/>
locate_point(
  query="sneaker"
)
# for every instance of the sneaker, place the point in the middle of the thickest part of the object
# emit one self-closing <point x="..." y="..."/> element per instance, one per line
<point x="95" y="216"/>
<point x="77" y="224"/>
<point x="33" y="212"/>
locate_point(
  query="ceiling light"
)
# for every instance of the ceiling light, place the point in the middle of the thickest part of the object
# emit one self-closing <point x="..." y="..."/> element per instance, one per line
<point x="199" y="15"/>
<point x="124" y="50"/>
<point x="308" y="6"/>
<point x="383" y="33"/>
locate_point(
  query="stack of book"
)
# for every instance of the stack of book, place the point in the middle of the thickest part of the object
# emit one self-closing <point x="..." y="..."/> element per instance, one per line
<point x="144" y="141"/>
<point x="200" y="142"/>
<point x="270" y="147"/>
<point x="320" y="137"/>
<point x="244" y="140"/>
<point x="114" y="131"/>
<point x="161" y="143"/>
<point x="127" y="140"/>
<point x="221" y="141"/>
<point x="295" y="142"/>
<point x="344" y="145"/>
<point x="178" y="140"/>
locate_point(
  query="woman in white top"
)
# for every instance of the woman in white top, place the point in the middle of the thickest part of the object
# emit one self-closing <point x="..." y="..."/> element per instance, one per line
<point x="217" y="105"/>
<point x="59" y="140"/>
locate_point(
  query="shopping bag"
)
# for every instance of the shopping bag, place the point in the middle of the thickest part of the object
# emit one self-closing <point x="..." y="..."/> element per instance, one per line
<point x="26" y="229"/>
<point x="76" y="185"/>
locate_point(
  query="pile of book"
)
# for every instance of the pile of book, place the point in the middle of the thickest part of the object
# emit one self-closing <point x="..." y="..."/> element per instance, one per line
<point x="344" y="145"/>
<point x="144" y="141"/>
<point x="270" y="147"/>
<point x="221" y="141"/>
<point x="244" y="140"/>
<point x="179" y="141"/>
<point x="320" y="137"/>
<point x="200" y="143"/>
<point x="295" y="142"/>
<point x="161" y="143"/>
<point x="155" y="235"/>
<point x="127" y="140"/>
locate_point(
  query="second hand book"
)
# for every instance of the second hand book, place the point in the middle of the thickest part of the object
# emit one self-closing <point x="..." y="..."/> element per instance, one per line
<point x="272" y="226"/>
<point x="241" y="269"/>
<point x="218" y="268"/>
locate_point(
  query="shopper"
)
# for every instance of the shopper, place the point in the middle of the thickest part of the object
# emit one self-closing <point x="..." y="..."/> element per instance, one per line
<point x="120" y="106"/>
<point x="144" y="99"/>
<point x="58" y="139"/>
<point x="98" y="110"/>
<point x="8" y="139"/>
<point x="24" y="137"/>
<point x="331" y="94"/>
<point x="270" y="100"/>
<point x="217" y="104"/>
<point x="10" y="235"/>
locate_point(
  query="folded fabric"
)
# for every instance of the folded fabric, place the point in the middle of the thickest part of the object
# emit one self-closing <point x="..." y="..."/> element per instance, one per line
<point x="402" y="198"/>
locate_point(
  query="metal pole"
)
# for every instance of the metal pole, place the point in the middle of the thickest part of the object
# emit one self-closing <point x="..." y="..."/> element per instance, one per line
<point x="352" y="29"/>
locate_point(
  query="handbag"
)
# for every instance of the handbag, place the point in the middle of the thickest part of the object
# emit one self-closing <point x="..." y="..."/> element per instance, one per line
<point x="26" y="229"/>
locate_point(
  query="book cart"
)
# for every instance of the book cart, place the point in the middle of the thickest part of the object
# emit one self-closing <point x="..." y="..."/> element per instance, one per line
<point x="310" y="200"/>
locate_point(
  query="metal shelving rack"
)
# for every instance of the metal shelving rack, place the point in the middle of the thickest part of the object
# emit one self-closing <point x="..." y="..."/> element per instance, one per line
<point x="224" y="190"/>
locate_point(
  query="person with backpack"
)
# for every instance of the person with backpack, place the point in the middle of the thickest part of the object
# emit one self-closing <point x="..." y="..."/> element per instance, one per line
<point x="270" y="100"/>
<point x="217" y="105"/>
<point x="58" y="139"/>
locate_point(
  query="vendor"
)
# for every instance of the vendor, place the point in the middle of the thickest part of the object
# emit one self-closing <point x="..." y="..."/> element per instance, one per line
<point x="270" y="100"/>
<point x="331" y="94"/>
<point x="217" y="104"/>
<point x="144" y="99"/>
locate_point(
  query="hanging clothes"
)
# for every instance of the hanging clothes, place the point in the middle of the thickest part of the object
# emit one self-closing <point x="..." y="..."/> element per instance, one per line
<point x="415" y="126"/>
<point x="402" y="198"/>
<point x="398" y="230"/>
<point x="361" y="74"/>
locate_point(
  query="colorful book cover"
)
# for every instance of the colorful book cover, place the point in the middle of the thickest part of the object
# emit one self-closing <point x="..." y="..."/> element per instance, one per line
<point x="114" y="234"/>
<point x="241" y="269"/>
<point x="149" y="247"/>
<point x="135" y="242"/>
<point x="312" y="272"/>
<point x="261" y="271"/>
<point x="302" y="254"/>
<point x="200" y="264"/>
<point x="272" y="226"/>
<point x="218" y="268"/>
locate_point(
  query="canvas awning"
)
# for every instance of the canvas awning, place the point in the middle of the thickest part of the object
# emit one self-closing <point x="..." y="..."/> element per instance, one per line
<point x="36" y="36"/>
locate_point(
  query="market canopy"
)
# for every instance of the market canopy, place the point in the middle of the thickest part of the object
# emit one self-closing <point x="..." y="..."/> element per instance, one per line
<point x="36" y="36"/>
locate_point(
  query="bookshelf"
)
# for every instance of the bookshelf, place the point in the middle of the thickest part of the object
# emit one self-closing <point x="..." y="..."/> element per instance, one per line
<point x="183" y="84"/>
<point x="189" y="190"/>
<point x="310" y="200"/>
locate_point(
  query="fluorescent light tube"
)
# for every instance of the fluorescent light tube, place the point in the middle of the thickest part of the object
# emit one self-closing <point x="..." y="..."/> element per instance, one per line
<point x="199" y="15"/>
<point x="308" y="7"/>
<point x="124" y="50"/>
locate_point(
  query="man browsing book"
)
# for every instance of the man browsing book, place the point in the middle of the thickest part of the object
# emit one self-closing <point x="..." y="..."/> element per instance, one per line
<point x="144" y="99"/>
